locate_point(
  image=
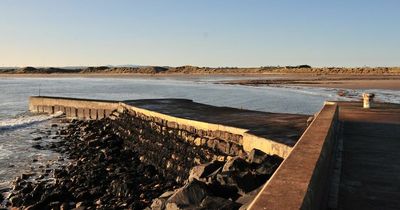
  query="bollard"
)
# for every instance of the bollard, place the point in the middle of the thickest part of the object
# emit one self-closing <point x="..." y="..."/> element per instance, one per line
<point x="368" y="97"/>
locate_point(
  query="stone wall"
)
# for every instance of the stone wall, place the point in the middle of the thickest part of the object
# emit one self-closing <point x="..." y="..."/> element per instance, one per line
<point x="172" y="151"/>
<point x="227" y="143"/>
<point x="230" y="140"/>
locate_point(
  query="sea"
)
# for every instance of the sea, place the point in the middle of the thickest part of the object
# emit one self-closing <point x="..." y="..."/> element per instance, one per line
<point x="19" y="128"/>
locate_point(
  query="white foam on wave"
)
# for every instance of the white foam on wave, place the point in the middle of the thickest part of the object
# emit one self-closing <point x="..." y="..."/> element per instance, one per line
<point x="23" y="121"/>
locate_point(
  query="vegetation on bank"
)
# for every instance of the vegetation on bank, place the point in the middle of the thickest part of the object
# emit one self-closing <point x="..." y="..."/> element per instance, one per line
<point x="203" y="70"/>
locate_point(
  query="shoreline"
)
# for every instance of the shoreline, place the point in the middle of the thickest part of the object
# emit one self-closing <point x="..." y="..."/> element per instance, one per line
<point x="345" y="81"/>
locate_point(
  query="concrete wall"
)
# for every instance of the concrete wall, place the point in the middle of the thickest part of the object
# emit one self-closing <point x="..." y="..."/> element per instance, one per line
<point x="73" y="108"/>
<point x="97" y="109"/>
<point x="302" y="180"/>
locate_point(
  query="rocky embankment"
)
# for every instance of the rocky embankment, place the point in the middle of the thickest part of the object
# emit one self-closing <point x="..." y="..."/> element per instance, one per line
<point x="122" y="163"/>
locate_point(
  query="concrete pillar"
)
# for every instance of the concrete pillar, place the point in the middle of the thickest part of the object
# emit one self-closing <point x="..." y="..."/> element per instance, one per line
<point x="74" y="112"/>
<point x="107" y="112"/>
<point x="68" y="111"/>
<point x="62" y="108"/>
<point x="41" y="109"/>
<point x="367" y="98"/>
<point x="100" y="114"/>
<point x="81" y="114"/>
<point x="87" y="113"/>
<point x="48" y="109"/>
<point x="93" y="114"/>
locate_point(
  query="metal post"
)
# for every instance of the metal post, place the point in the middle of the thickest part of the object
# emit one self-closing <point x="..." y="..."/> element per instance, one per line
<point x="367" y="98"/>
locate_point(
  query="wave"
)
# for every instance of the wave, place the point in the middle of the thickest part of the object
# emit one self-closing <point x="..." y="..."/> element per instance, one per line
<point x="24" y="121"/>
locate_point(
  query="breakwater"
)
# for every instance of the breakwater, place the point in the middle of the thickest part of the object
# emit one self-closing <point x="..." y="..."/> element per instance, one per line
<point x="310" y="175"/>
<point x="231" y="140"/>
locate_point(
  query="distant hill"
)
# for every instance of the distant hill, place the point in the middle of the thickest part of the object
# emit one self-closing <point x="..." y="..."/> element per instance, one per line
<point x="134" y="69"/>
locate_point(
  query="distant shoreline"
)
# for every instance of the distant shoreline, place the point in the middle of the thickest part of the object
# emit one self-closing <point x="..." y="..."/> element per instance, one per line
<point x="340" y="81"/>
<point x="194" y="70"/>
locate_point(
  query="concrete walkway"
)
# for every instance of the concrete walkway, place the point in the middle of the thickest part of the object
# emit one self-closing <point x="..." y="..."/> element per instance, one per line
<point x="370" y="177"/>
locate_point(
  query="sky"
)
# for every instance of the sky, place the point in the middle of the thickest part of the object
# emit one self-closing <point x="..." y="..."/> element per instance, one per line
<point x="201" y="33"/>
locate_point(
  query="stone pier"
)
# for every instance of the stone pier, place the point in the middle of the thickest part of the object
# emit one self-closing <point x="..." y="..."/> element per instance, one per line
<point x="346" y="158"/>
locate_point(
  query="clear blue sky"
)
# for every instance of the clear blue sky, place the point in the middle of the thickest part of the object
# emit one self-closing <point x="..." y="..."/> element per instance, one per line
<point x="204" y="32"/>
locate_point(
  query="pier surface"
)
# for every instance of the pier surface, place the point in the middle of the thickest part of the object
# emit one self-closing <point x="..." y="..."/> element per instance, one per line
<point x="370" y="177"/>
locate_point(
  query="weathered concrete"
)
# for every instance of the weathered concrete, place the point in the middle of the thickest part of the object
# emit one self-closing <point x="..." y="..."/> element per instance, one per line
<point x="73" y="108"/>
<point x="370" y="177"/>
<point x="301" y="181"/>
<point x="369" y="165"/>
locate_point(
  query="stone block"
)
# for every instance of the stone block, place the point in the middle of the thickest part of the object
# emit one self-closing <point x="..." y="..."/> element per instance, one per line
<point x="234" y="150"/>
<point x="197" y="141"/>
<point x="171" y="124"/>
<point x="223" y="146"/>
<point x="211" y="143"/>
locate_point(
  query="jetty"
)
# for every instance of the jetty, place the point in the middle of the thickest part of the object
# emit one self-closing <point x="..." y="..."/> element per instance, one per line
<point x="346" y="158"/>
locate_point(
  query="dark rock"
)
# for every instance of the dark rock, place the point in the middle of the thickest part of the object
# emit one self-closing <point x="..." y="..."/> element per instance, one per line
<point x="236" y="164"/>
<point x="16" y="200"/>
<point x="257" y="156"/>
<point x="37" y="139"/>
<point x="202" y="171"/>
<point x="248" y="181"/>
<point x="189" y="195"/>
<point x="210" y="202"/>
<point x="223" y="191"/>
<point x="38" y="146"/>
<point x="26" y="175"/>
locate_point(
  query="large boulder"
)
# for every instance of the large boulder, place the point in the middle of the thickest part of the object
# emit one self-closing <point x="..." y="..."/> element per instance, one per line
<point x="211" y="202"/>
<point x="190" y="195"/>
<point x="257" y="156"/>
<point x="203" y="171"/>
<point x="235" y="164"/>
<point x="160" y="202"/>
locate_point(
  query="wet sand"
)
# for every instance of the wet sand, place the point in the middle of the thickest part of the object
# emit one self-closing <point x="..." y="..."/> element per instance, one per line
<point x="389" y="82"/>
<point x="350" y="81"/>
